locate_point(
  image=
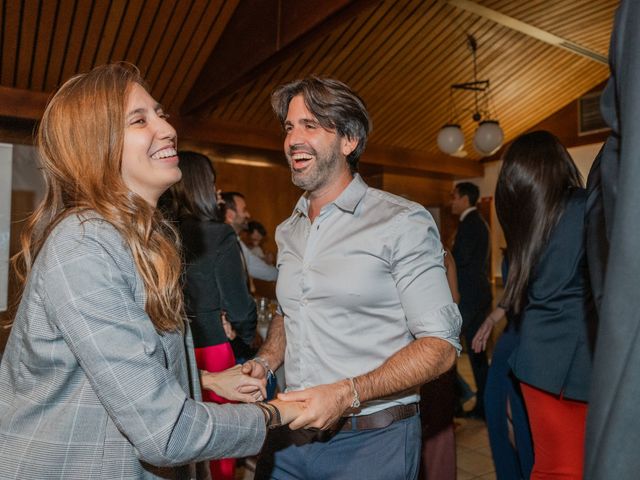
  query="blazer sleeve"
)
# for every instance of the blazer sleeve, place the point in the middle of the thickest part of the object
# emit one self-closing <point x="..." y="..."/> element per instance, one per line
<point x="90" y="299"/>
<point x="234" y="292"/>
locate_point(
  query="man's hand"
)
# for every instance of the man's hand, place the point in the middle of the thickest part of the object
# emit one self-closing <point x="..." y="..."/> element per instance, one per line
<point x="254" y="369"/>
<point x="232" y="384"/>
<point x="324" y="404"/>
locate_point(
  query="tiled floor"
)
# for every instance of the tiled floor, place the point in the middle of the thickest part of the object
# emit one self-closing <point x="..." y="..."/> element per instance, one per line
<point x="472" y="442"/>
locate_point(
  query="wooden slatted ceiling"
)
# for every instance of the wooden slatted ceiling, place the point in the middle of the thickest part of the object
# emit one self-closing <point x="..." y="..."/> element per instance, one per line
<point x="402" y="55"/>
<point x="44" y="42"/>
<point x="584" y="22"/>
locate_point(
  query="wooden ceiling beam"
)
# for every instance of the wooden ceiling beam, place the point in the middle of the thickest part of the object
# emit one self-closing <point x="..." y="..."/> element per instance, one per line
<point x="19" y="103"/>
<point x="261" y="34"/>
<point x="401" y="158"/>
<point x="214" y="132"/>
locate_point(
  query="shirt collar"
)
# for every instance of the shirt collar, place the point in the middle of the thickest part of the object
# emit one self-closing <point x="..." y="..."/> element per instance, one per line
<point x="467" y="212"/>
<point x="347" y="201"/>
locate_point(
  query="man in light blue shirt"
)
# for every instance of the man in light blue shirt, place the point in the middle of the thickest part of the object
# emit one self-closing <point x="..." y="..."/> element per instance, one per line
<point x="237" y="215"/>
<point x="367" y="315"/>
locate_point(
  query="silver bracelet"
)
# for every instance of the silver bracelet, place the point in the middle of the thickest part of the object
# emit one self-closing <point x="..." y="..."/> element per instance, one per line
<point x="264" y="364"/>
<point x="356" y="397"/>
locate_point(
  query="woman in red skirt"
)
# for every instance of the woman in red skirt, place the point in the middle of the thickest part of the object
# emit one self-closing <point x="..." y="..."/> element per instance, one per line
<point x="540" y="203"/>
<point x="215" y="281"/>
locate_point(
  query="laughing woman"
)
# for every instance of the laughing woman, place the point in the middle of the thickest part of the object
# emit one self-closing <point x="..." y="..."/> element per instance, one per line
<point x="97" y="374"/>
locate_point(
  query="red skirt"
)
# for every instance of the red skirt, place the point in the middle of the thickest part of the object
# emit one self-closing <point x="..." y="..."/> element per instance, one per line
<point x="216" y="359"/>
<point x="558" y="428"/>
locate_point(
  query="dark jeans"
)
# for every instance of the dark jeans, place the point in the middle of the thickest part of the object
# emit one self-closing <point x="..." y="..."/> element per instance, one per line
<point x="390" y="453"/>
<point x="471" y="321"/>
<point x="502" y="388"/>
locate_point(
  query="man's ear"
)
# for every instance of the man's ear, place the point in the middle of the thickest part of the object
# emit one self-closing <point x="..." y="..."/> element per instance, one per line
<point x="348" y="145"/>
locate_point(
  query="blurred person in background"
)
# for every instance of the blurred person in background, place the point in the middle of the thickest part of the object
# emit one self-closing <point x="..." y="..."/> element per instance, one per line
<point x="471" y="253"/>
<point x="256" y="234"/>
<point x="237" y="215"/>
<point x="215" y="282"/>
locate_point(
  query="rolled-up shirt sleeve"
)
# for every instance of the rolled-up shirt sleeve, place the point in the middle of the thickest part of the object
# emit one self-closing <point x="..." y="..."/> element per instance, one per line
<point x="417" y="264"/>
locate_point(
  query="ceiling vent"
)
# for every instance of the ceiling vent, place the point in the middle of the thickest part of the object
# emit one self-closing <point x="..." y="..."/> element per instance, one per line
<point x="589" y="117"/>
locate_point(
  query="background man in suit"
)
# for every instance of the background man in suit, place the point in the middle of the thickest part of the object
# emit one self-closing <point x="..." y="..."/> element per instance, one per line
<point x="471" y="253"/>
<point x="612" y="219"/>
<point x="237" y="215"/>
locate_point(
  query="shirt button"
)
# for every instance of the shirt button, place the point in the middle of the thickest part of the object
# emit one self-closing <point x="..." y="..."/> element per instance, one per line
<point x="304" y="302"/>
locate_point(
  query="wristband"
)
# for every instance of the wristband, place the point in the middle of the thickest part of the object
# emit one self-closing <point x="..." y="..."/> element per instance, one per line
<point x="272" y="414"/>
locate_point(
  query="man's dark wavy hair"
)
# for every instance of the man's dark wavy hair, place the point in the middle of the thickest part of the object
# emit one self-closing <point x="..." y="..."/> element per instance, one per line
<point x="335" y="106"/>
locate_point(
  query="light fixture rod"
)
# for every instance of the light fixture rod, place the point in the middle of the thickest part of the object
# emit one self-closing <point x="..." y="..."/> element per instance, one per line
<point x="478" y="85"/>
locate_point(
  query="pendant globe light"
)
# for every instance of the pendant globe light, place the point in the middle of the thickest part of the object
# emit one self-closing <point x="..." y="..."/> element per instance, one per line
<point x="489" y="136"/>
<point x="451" y="139"/>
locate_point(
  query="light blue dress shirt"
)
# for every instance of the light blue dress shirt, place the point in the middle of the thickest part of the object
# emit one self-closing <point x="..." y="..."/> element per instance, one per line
<point x="361" y="282"/>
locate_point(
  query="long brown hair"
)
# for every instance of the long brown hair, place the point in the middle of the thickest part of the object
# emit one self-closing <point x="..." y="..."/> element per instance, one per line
<point x="534" y="183"/>
<point x="80" y="141"/>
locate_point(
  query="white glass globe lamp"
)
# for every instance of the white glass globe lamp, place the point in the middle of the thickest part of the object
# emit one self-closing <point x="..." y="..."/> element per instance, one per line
<point x="450" y="139"/>
<point x="488" y="138"/>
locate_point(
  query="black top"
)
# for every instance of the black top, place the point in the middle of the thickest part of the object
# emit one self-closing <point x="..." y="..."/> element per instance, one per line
<point x="471" y="254"/>
<point x="215" y="280"/>
<point x="558" y="320"/>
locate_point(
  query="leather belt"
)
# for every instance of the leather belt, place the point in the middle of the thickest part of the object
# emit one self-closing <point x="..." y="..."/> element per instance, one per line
<point x="380" y="419"/>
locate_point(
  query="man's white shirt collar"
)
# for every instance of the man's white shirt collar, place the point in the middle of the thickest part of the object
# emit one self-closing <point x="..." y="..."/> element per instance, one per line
<point x="467" y="212"/>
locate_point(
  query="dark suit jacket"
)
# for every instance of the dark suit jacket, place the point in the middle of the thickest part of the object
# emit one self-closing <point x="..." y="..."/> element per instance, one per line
<point x="558" y="321"/>
<point x="471" y="253"/>
<point x="215" y="280"/>
<point x="613" y="421"/>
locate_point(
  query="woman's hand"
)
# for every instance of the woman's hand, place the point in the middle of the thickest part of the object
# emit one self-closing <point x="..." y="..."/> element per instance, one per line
<point x="479" y="342"/>
<point x="229" y="331"/>
<point x="232" y="384"/>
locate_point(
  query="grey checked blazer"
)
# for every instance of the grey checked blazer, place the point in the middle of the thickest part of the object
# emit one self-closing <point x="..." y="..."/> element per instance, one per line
<point x="89" y="390"/>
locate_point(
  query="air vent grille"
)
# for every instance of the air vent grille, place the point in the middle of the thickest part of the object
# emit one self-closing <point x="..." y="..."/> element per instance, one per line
<point x="589" y="117"/>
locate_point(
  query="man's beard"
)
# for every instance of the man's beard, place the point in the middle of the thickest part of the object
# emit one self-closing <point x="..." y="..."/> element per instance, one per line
<point x="320" y="172"/>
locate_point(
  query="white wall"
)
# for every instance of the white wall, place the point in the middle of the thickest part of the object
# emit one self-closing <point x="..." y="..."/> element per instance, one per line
<point x="26" y="172"/>
<point x="583" y="156"/>
<point x="5" y="220"/>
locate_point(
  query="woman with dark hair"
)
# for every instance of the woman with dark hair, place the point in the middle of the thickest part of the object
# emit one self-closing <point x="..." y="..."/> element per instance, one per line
<point x="215" y="282"/>
<point x="540" y="205"/>
<point x="98" y="378"/>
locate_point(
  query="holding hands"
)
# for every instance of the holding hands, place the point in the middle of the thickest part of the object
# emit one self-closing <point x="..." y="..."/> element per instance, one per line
<point x="317" y="407"/>
<point x="323" y="405"/>
<point x="233" y="384"/>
